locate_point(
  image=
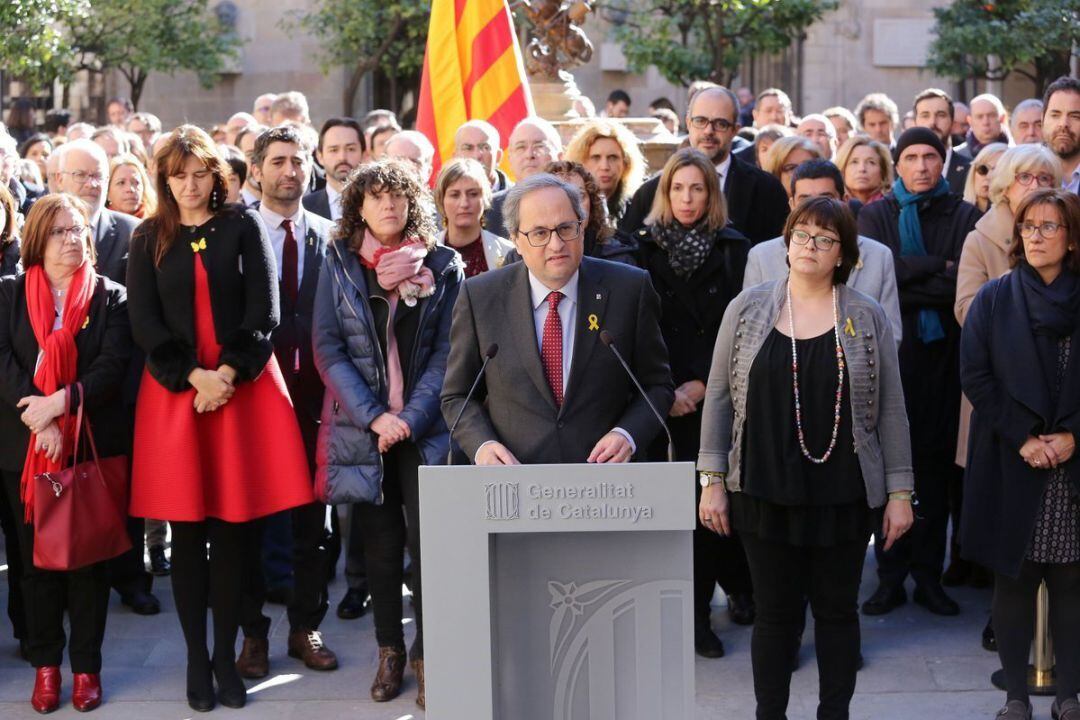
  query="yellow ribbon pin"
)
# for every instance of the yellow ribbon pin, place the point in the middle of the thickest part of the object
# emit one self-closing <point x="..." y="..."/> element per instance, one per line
<point x="594" y="322"/>
<point x="86" y="322"/>
<point x="197" y="246"/>
<point x="849" y="328"/>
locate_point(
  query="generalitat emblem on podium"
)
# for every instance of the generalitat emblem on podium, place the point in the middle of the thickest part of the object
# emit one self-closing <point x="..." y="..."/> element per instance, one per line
<point x="501" y="501"/>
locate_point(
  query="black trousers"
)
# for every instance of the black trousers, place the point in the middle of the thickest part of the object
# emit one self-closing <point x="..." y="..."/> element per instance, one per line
<point x="214" y="577"/>
<point x="127" y="572"/>
<point x="921" y="552"/>
<point x="386" y="530"/>
<point x="1014" y="624"/>
<point x="16" y="613"/>
<point x="47" y="595"/>
<point x="784" y="576"/>
<point x="311" y="572"/>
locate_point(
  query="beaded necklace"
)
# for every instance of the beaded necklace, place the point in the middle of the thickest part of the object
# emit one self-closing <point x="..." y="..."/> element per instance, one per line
<point x="795" y="381"/>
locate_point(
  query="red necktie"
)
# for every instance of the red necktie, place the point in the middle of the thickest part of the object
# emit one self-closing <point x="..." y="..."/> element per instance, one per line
<point x="290" y="258"/>
<point x="551" y="348"/>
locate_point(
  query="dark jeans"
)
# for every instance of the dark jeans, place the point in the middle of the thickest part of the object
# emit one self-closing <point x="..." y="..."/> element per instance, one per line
<point x="921" y="552"/>
<point x="1014" y="624"/>
<point x="215" y="578"/>
<point x="47" y="594"/>
<point x="276" y="549"/>
<point x="353" y="543"/>
<point x="386" y="530"/>
<point x="310" y="570"/>
<point x="784" y="576"/>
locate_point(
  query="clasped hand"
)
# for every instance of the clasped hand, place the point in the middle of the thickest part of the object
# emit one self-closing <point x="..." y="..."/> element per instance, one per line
<point x="50" y="441"/>
<point x="41" y="410"/>
<point x="391" y="430"/>
<point x="1048" y="451"/>
<point x="213" y="388"/>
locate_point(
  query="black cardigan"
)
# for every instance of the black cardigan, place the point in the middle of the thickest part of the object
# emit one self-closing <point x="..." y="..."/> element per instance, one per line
<point x="242" y="274"/>
<point x="104" y="352"/>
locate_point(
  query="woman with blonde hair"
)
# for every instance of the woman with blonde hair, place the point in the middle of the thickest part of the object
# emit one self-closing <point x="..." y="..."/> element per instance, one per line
<point x="462" y="194"/>
<point x="130" y="190"/>
<point x="786" y="154"/>
<point x="610" y="152"/>
<point x="867" y="168"/>
<point x="981" y="174"/>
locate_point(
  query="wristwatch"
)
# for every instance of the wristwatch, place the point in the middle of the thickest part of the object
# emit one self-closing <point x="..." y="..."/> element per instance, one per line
<point x="707" y="478"/>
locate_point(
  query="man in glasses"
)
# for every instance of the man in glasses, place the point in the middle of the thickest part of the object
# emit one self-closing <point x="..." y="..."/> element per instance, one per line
<point x="533" y="143"/>
<point x="757" y="202"/>
<point x="479" y="140"/>
<point x="924" y="224"/>
<point x="554" y="394"/>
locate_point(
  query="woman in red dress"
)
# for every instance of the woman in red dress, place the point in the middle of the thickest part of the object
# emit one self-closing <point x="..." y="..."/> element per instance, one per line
<point x="216" y="440"/>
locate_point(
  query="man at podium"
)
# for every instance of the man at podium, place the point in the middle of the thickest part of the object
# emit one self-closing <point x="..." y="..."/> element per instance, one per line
<point x="556" y="393"/>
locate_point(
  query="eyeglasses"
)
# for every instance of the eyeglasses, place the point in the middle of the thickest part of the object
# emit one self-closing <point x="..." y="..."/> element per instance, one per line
<point x="541" y="236"/>
<point x="984" y="169"/>
<point x="73" y="231"/>
<point x="1047" y="229"/>
<point x="469" y="147"/>
<point x="821" y="242"/>
<point x="1044" y="179"/>
<point x="82" y="178"/>
<point x="700" y="122"/>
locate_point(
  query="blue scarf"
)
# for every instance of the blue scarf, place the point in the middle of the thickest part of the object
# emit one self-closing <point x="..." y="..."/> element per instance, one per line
<point x="911" y="244"/>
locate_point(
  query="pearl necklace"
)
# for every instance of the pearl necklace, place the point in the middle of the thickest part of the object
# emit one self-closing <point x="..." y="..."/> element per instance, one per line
<point x="795" y="381"/>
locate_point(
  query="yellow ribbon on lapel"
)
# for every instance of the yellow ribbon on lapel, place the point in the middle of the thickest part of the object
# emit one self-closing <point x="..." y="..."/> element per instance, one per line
<point x="86" y="322"/>
<point x="594" y="323"/>
<point x="849" y="328"/>
<point x="197" y="246"/>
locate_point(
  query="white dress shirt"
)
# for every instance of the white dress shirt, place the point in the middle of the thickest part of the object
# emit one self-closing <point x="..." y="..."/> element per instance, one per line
<point x="333" y="197"/>
<point x="247" y="197"/>
<point x="1072" y="182"/>
<point x="722" y="170"/>
<point x="948" y="160"/>
<point x="276" y="234"/>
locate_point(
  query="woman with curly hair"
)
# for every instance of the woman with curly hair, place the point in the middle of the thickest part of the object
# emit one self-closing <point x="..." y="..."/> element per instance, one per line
<point x="381" y="339"/>
<point x="217" y="444"/>
<point x="610" y="152"/>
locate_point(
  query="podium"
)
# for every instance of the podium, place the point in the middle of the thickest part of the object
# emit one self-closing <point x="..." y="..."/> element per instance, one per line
<point x="558" y="592"/>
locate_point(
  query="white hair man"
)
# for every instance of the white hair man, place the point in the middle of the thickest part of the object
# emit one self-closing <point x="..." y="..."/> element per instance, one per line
<point x="534" y="142"/>
<point x="414" y="148"/>
<point x="479" y="140"/>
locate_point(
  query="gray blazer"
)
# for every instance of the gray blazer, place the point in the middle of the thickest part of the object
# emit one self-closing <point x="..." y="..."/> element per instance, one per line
<point x="879" y="420"/>
<point x="873" y="275"/>
<point x="112" y="237"/>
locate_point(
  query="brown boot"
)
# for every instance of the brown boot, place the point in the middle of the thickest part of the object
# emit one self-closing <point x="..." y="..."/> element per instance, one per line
<point x="254" y="660"/>
<point x="387" y="684"/>
<point x="418" y="668"/>
<point x="308" y="646"/>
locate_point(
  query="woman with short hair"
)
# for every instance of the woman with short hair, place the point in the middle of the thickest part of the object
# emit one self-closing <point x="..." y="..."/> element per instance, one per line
<point x="610" y="152"/>
<point x="1020" y="366"/>
<point x="804" y="436"/>
<point x="462" y="194"/>
<point x="980" y="176"/>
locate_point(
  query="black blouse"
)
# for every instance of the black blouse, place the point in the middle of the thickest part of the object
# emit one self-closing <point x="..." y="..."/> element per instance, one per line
<point x="786" y="497"/>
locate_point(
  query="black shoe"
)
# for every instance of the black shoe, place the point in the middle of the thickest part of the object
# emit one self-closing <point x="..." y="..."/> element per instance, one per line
<point x="989" y="639"/>
<point x="981" y="578"/>
<point x="159" y="564"/>
<point x="279" y="595"/>
<point x="706" y="644"/>
<point x="231" y="691"/>
<point x="141" y="602"/>
<point x="741" y="608"/>
<point x="932" y="597"/>
<point x="884" y="600"/>
<point x="958" y="573"/>
<point x="354" y="604"/>
<point x="200" y="685"/>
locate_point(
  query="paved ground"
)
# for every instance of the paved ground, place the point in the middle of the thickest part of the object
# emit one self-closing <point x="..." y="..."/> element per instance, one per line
<point x="918" y="666"/>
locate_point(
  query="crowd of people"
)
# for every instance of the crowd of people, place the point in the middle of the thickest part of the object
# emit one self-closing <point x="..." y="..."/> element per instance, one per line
<point x="857" y="325"/>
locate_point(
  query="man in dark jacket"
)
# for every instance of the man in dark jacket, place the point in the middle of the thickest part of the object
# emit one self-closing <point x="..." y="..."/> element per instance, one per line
<point x="282" y="162"/>
<point x="924" y="224"/>
<point x="934" y="110"/>
<point x="757" y="203"/>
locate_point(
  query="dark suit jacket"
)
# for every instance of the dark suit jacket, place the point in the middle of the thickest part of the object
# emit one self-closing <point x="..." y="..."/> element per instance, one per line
<point x="112" y="238"/>
<point x="747" y="154"/>
<point x="294" y="332"/>
<point x="104" y="347"/>
<point x="244" y="304"/>
<point x="957" y="172"/>
<point x="493" y="217"/>
<point x="757" y="203"/>
<point x="514" y="404"/>
<point x="318" y="202"/>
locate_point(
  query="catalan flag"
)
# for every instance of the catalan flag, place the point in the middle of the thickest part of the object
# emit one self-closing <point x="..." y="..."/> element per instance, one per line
<point x="472" y="71"/>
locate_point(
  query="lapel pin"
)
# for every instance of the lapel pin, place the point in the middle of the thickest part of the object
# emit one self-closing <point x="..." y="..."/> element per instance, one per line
<point x="849" y="328"/>
<point x="200" y="244"/>
<point x="594" y="323"/>
<point x="598" y="296"/>
<point x="86" y="322"/>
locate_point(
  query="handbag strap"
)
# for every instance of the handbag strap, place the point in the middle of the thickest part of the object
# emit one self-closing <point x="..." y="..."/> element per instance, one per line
<point x="80" y="420"/>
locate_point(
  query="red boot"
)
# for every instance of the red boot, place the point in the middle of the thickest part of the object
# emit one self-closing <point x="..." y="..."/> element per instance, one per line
<point x="86" y="695"/>
<point x="46" y="697"/>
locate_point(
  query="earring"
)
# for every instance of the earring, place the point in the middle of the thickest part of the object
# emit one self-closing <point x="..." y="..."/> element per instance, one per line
<point x="839" y="263"/>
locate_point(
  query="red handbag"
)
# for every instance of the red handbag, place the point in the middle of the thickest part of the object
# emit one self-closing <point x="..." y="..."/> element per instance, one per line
<point x="80" y="514"/>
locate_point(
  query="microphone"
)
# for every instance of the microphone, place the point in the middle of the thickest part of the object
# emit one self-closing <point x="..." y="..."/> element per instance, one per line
<point x="492" y="351"/>
<point x="609" y="340"/>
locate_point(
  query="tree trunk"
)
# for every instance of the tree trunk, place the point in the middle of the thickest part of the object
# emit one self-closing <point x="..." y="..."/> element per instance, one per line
<point x="137" y="82"/>
<point x="366" y="65"/>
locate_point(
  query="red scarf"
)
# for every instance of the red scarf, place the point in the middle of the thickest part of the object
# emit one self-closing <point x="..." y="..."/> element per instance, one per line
<point x="61" y="356"/>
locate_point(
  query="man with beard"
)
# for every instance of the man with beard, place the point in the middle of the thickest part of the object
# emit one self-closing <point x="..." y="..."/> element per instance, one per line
<point x="1061" y="127"/>
<point x="934" y="109"/>
<point x="281" y="161"/>
<point x="757" y="202"/>
<point x="341" y="148"/>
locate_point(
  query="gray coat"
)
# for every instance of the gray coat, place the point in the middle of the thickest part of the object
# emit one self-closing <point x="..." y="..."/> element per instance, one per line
<point x="350" y="361"/>
<point x="873" y="275"/>
<point x="879" y="420"/>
